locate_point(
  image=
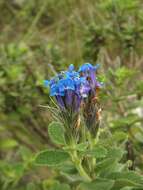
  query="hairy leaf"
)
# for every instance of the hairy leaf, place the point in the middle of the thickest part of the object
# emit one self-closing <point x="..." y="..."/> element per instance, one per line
<point x="56" y="133"/>
<point x="51" y="157"/>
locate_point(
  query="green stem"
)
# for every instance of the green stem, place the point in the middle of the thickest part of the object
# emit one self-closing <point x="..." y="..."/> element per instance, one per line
<point x="77" y="162"/>
<point x="82" y="172"/>
<point x="92" y="160"/>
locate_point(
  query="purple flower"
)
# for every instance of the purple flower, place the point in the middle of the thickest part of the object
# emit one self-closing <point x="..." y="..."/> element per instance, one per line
<point x="91" y="104"/>
<point x="89" y="72"/>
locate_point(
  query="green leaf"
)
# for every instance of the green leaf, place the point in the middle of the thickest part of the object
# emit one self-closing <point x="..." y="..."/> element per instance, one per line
<point x="67" y="168"/>
<point x="51" y="184"/>
<point x="7" y="143"/>
<point x="125" y="122"/>
<point x="60" y="187"/>
<point x="130" y="176"/>
<point x="108" y="166"/>
<point x="97" y="152"/>
<point x="13" y="171"/>
<point x="139" y="137"/>
<point x="51" y="157"/>
<point x="31" y="186"/>
<point x="97" y="185"/>
<point x="122" y="183"/>
<point x="115" y="153"/>
<point x="15" y="73"/>
<point x="127" y="188"/>
<point x="106" y="163"/>
<point x="139" y="87"/>
<point x="119" y="136"/>
<point x="25" y="153"/>
<point x="121" y="5"/>
<point x="56" y="133"/>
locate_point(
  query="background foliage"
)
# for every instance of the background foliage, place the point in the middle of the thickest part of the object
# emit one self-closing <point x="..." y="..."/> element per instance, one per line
<point x="39" y="38"/>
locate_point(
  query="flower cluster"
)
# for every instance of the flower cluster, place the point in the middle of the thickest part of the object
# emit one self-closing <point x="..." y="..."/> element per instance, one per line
<point x="72" y="87"/>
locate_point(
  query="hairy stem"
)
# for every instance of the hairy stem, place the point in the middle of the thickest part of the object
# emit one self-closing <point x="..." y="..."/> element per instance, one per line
<point x="93" y="160"/>
<point x="78" y="164"/>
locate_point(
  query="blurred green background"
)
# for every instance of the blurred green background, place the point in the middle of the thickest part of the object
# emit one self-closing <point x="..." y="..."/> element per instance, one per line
<point x="39" y="38"/>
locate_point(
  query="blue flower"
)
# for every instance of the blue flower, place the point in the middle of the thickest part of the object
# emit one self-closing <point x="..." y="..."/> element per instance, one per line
<point x="69" y="88"/>
<point x="88" y="67"/>
<point x="71" y="73"/>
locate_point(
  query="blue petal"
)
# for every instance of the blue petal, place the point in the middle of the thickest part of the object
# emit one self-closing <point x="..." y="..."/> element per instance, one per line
<point x="71" y="68"/>
<point x="87" y="67"/>
<point x="72" y="74"/>
<point x="96" y="66"/>
<point x="53" y="90"/>
<point x="46" y="82"/>
<point x="69" y="97"/>
<point x="60" y="101"/>
<point x="61" y="87"/>
<point x="67" y="83"/>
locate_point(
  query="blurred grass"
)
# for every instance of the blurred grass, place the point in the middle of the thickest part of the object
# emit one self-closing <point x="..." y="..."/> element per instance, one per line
<point x="69" y="24"/>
